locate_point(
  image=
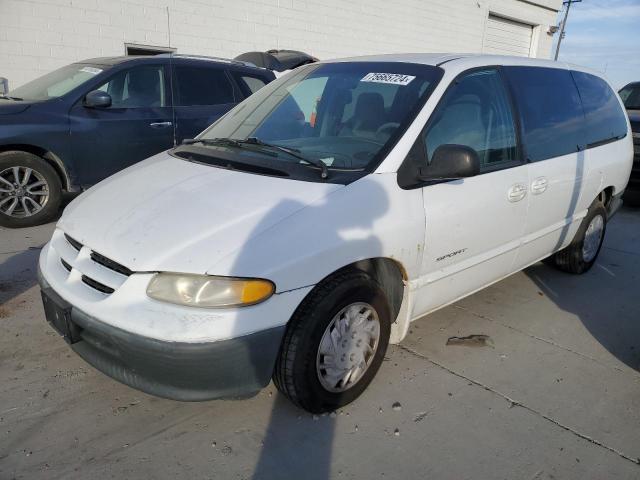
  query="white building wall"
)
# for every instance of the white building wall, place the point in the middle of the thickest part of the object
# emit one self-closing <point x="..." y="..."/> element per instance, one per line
<point x="37" y="36"/>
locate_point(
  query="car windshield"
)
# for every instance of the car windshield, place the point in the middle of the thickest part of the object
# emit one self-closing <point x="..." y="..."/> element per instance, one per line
<point x="346" y="115"/>
<point x="630" y="96"/>
<point x="57" y="83"/>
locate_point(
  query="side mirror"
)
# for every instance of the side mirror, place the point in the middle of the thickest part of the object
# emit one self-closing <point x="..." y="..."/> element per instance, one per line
<point x="4" y="86"/>
<point x="450" y="162"/>
<point x="97" y="99"/>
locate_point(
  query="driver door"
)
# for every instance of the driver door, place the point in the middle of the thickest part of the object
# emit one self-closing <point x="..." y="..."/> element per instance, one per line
<point x="473" y="225"/>
<point x="137" y="125"/>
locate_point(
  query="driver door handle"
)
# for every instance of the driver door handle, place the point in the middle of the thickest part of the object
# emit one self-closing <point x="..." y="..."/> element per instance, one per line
<point x="517" y="192"/>
<point x="160" y="124"/>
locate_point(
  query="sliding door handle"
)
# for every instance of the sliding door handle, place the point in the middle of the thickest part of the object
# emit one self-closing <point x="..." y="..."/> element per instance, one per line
<point x="539" y="185"/>
<point x="160" y="124"/>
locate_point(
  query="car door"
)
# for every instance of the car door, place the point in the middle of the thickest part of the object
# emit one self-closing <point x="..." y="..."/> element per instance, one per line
<point x="137" y="125"/>
<point x="203" y="93"/>
<point x="473" y="225"/>
<point x="553" y="121"/>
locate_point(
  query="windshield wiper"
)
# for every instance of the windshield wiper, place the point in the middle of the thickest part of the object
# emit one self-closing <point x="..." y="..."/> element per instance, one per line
<point x="324" y="171"/>
<point x="7" y="97"/>
<point x="212" y="141"/>
<point x="219" y="142"/>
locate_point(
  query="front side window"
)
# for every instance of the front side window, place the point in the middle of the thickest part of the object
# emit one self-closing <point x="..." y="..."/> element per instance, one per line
<point x="630" y="96"/>
<point x="345" y="115"/>
<point x="475" y="112"/>
<point x="138" y="87"/>
<point x="605" y="119"/>
<point x="201" y="86"/>
<point x="57" y="83"/>
<point x="551" y="111"/>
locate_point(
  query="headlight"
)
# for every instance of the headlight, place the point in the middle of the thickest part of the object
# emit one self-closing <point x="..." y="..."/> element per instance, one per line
<point x="207" y="291"/>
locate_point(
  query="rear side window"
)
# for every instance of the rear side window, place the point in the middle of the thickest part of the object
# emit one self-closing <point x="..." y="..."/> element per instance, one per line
<point x="248" y="83"/>
<point x="605" y="118"/>
<point x="630" y="95"/>
<point x="476" y="112"/>
<point x="552" y="115"/>
<point x="201" y="86"/>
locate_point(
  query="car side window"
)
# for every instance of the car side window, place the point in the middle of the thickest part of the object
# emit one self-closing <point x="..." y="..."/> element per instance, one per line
<point x="475" y="112"/>
<point x="248" y="83"/>
<point x="196" y="85"/>
<point x="138" y="87"/>
<point x="551" y="111"/>
<point x="630" y="96"/>
<point x="605" y="118"/>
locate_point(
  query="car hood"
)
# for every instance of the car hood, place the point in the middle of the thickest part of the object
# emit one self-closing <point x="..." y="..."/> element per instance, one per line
<point x="11" y="107"/>
<point x="168" y="214"/>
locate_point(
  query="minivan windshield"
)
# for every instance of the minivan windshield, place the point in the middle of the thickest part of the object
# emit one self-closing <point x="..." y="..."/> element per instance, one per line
<point x="56" y="83"/>
<point x="630" y="96"/>
<point x="346" y="115"/>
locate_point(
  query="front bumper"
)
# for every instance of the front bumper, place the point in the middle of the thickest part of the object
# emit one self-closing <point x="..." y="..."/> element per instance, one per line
<point x="237" y="367"/>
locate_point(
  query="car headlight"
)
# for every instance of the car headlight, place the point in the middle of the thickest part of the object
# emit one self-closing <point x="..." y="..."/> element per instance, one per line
<point x="208" y="291"/>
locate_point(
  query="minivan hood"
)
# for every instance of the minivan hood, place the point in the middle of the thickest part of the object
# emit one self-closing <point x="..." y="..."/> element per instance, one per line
<point x="168" y="214"/>
<point x="11" y="107"/>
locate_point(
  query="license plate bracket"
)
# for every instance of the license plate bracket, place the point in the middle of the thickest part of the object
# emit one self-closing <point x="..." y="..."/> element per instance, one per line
<point x="58" y="313"/>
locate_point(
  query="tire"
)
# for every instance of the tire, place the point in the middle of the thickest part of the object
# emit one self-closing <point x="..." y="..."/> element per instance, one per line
<point x="297" y="371"/>
<point x="572" y="259"/>
<point x="40" y="207"/>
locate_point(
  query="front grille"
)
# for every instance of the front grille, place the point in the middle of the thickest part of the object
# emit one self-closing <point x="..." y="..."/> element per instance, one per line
<point x="73" y="242"/>
<point x="101" y="287"/>
<point x="96" y="271"/>
<point x="65" y="265"/>
<point x="110" y="264"/>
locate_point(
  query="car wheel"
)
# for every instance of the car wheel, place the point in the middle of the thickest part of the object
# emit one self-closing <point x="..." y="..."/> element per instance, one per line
<point x="30" y="190"/>
<point x="583" y="251"/>
<point x="334" y="343"/>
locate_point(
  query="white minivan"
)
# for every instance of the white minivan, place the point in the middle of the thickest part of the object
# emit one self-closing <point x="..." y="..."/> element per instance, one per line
<point x="302" y="232"/>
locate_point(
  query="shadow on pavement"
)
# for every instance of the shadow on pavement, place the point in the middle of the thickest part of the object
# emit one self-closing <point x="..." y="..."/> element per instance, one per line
<point x="293" y="449"/>
<point x="605" y="299"/>
<point x="18" y="273"/>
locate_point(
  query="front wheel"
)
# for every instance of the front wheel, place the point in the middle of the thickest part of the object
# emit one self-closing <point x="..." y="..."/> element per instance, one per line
<point x="334" y="343"/>
<point x="30" y="190"/>
<point x="583" y="251"/>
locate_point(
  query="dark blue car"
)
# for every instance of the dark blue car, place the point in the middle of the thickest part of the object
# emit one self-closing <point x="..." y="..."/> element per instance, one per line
<point x="71" y="128"/>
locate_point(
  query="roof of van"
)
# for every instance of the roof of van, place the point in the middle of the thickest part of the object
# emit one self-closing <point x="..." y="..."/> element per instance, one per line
<point x="466" y="60"/>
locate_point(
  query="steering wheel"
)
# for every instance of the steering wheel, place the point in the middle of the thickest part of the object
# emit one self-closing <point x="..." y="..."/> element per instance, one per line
<point x="387" y="126"/>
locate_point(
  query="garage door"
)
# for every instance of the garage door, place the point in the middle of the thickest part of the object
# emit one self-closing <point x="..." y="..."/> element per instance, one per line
<point x="507" y="37"/>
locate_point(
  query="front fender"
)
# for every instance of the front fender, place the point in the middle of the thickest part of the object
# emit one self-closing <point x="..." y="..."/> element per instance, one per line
<point x="370" y="218"/>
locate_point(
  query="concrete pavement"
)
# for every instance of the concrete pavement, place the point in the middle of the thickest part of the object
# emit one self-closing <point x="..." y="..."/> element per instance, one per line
<point x="553" y="391"/>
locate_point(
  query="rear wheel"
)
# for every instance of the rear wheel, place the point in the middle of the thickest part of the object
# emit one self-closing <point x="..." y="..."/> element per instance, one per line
<point x="583" y="251"/>
<point x="335" y="343"/>
<point x="30" y="190"/>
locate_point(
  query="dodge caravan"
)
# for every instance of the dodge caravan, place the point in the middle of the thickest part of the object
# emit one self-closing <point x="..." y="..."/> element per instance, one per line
<point x="299" y="235"/>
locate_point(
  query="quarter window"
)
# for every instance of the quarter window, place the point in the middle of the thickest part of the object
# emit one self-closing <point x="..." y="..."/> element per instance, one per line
<point x="476" y="112"/>
<point x="551" y="111"/>
<point x="201" y="86"/>
<point x="605" y="118"/>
